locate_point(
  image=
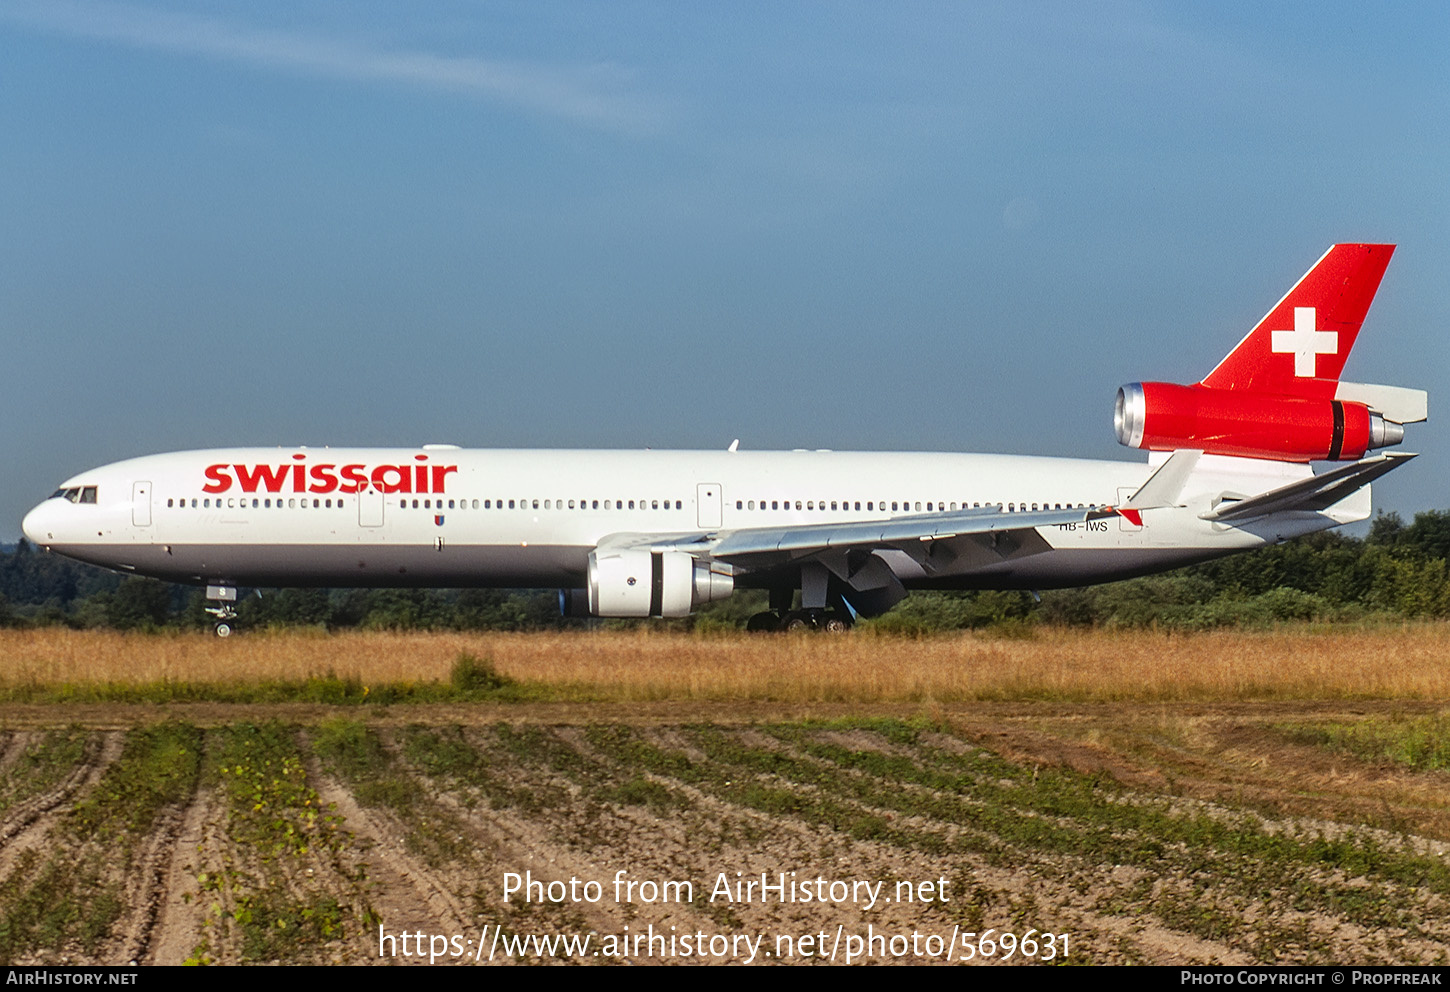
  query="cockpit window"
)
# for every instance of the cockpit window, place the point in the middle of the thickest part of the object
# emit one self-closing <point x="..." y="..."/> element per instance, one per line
<point x="76" y="494"/>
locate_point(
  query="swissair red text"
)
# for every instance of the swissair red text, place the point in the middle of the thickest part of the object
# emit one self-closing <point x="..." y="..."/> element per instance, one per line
<point x="328" y="478"/>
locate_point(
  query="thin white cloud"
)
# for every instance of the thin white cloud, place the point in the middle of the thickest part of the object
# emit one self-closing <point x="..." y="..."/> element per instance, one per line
<point x="590" y="95"/>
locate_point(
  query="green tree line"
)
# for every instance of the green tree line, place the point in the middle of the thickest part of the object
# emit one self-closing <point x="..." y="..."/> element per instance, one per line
<point x="1397" y="571"/>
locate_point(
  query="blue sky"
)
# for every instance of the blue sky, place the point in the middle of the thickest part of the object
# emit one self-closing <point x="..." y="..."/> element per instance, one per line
<point x="910" y="226"/>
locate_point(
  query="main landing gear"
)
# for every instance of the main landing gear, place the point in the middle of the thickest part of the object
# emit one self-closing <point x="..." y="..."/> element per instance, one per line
<point x="830" y="621"/>
<point x="820" y="610"/>
<point x="223" y="600"/>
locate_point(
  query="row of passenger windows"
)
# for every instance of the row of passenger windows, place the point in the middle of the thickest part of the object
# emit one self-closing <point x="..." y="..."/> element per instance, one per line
<point x="232" y="503"/>
<point x="553" y="504"/>
<point x="88" y="495"/>
<point x="907" y="506"/>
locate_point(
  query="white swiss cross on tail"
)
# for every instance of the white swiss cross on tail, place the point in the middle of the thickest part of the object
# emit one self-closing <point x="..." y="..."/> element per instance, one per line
<point x="1304" y="342"/>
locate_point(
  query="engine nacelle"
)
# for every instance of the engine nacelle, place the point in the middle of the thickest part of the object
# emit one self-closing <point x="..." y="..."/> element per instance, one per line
<point x="636" y="583"/>
<point x="1161" y="416"/>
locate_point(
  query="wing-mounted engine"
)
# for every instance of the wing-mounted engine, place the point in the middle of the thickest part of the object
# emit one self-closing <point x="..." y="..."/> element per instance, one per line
<point x="637" y="582"/>
<point x="1161" y="416"/>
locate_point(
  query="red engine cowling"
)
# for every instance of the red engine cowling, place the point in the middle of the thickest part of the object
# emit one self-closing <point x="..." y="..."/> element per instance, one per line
<point x="1161" y="416"/>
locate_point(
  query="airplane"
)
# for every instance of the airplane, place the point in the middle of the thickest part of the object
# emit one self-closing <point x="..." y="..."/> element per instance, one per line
<point x="661" y="533"/>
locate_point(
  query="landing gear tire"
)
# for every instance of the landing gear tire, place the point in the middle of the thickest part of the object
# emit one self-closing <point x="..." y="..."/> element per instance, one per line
<point x="222" y="629"/>
<point x="834" y="623"/>
<point x="763" y="623"/>
<point x="797" y="621"/>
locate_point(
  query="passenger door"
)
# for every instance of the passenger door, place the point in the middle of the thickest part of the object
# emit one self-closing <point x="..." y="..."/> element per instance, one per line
<point x="707" y="503"/>
<point x="141" y="504"/>
<point x="370" y="506"/>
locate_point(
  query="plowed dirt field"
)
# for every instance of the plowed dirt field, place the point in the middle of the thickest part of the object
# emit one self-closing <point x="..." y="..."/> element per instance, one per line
<point x="1092" y="832"/>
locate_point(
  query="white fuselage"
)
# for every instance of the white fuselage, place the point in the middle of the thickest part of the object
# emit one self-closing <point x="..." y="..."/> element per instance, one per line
<point x="444" y="516"/>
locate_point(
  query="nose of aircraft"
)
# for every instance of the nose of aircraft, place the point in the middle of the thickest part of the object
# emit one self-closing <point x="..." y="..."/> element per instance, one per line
<point x="37" y="525"/>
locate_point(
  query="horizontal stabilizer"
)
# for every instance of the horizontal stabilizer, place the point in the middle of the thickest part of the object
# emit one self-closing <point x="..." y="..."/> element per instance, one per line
<point x="1317" y="493"/>
<point x="1403" y="406"/>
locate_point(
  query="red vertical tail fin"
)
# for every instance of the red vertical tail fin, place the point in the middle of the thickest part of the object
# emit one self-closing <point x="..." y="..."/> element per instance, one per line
<point x="1300" y="346"/>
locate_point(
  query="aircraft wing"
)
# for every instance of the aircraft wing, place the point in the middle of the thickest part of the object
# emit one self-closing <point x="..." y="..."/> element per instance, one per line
<point x="996" y="533"/>
<point x="1318" y="492"/>
<point x="857" y="554"/>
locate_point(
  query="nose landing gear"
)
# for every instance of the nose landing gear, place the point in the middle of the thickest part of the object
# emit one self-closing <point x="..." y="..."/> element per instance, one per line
<point x="224" y="608"/>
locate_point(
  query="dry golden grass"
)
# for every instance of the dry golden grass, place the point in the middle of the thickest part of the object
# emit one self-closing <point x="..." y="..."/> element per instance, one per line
<point x="1410" y="662"/>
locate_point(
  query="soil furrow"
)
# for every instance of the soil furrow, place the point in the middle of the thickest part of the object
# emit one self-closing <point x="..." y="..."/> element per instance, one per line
<point x="418" y="899"/>
<point x="177" y="917"/>
<point x="29" y="820"/>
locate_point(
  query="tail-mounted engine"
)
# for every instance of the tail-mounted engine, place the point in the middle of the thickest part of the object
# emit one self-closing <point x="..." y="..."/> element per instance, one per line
<point x="641" y="583"/>
<point x="1161" y="416"/>
<point x="1278" y="394"/>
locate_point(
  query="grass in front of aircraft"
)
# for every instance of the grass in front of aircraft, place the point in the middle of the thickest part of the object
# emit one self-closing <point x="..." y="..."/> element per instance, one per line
<point x="1055" y="665"/>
